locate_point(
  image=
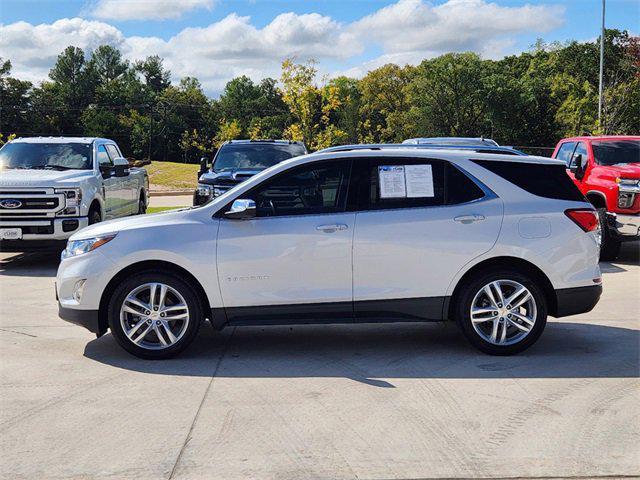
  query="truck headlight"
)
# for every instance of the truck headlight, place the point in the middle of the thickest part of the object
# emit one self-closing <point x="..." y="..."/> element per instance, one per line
<point x="204" y="190"/>
<point x="78" y="247"/>
<point x="72" y="198"/>
<point x="627" y="190"/>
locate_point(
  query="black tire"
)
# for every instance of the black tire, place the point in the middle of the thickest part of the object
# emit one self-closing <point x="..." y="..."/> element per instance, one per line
<point x="196" y="314"/>
<point x="609" y="243"/>
<point x="463" y="310"/>
<point x="142" y="205"/>
<point x="94" y="216"/>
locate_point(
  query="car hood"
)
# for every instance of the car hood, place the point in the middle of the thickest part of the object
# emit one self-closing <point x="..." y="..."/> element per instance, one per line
<point x="628" y="170"/>
<point x="137" y="222"/>
<point x="42" y="178"/>
<point x="227" y="177"/>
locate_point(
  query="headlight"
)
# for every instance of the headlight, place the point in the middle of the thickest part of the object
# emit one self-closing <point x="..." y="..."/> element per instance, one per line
<point x="78" y="247"/>
<point x="631" y="185"/>
<point x="204" y="190"/>
<point x="72" y="198"/>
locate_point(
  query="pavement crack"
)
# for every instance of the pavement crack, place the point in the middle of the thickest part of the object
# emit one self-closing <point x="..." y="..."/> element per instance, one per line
<point x="19" y="333"/>
<point x="204" y="398"/>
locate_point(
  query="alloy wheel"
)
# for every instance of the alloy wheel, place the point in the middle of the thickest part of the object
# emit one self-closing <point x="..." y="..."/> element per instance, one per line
<point x="154" y="316"/>
<point x="503" y="312"/>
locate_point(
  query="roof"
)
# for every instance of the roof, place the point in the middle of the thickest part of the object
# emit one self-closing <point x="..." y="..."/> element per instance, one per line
<point x="59" y="140"/>
<point x="603" y="137"/>
<point x="452" y="141"/>
<point x="381" y="146"/>
<point x="279" y="142"/>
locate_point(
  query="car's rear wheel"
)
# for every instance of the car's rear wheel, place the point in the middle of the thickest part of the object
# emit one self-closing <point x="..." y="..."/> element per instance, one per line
<point x="142" y="205"/>
<point x="502" y="312"/>
<point x="154" y="315"/>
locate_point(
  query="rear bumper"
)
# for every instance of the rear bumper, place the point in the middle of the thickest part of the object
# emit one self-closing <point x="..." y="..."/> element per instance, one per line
<point x="572" y="301"/>
<point x="88" y="319"/>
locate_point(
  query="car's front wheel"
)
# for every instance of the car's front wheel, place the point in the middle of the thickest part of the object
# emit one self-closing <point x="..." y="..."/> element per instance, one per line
<point x="502" y="312"/>
<point x="154" y="315"/>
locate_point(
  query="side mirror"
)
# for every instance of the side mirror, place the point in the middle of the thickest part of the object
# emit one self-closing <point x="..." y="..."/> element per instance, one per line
<point x="242" y="208"/>
<point x="120" y="167"/>
<point x="578" y="166"/>
<point x="106" y="171"/>
<point x="203" y="166"/>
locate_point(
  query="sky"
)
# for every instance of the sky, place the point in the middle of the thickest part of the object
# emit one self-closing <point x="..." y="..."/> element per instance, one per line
<point x="217" y="40"/>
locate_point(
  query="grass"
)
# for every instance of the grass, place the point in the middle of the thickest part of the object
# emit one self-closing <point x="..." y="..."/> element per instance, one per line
<point x="160" y="209"/>
<point x="172" y="176"/>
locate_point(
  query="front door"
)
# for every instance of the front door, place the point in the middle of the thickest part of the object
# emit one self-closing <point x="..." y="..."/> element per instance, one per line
<point x="416" y="234"/>
<point x="293" y="262"/>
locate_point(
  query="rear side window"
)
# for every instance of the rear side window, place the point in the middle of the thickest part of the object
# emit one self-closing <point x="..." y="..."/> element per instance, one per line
<point x="450" y="185"/>
<point x="549" y="181"/>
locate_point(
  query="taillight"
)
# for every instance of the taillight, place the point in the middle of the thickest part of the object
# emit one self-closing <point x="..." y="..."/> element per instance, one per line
<point x="585" y="218"/>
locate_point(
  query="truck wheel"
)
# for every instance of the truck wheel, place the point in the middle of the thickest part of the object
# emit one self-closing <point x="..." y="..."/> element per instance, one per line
<point x="154" y="315"/>
<point x="609" y="243"/>
<point x="501" y="311"/>
<point x="142" y="205"/>
<point x="94" y="216"/>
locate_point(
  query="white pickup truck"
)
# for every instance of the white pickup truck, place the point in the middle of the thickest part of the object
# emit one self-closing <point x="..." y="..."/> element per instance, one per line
<point x="51" y="187"/>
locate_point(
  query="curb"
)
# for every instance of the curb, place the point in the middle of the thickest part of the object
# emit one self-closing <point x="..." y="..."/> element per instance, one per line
<point x="170" y="193"/>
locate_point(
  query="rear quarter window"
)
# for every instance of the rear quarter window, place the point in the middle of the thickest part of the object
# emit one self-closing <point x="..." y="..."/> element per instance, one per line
<point x="543" y="180"/>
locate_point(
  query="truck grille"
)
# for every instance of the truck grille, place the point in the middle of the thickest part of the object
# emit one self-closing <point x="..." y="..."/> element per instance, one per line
<point x="31" y="202"/>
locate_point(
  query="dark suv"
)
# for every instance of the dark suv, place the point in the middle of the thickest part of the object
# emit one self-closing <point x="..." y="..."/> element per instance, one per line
<point x="237" y="160"/>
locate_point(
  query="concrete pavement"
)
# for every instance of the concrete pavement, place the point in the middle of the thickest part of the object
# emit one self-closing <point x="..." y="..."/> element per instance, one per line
<point x="171" y="201"/>
<point x="368" y="402"/>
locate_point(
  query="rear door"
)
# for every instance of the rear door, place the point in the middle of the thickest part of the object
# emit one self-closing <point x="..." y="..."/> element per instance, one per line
<point x="410" y="242"/>
<point x="294" y="260"/>
<point x="111" y="184"/>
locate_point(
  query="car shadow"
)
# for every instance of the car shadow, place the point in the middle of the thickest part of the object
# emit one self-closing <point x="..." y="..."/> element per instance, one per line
<point x="43" y="264"/>
<point x="377" y="354"/>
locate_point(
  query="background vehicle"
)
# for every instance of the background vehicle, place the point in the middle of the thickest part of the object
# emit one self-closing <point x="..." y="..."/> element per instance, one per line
<point x="474" y="141"/>
<point x="607" y="172"/>
<point x="494" y="242"/>
<point x="52" y="187"/>
<point x="433" y="146"/>
<point x="237" y="160"/>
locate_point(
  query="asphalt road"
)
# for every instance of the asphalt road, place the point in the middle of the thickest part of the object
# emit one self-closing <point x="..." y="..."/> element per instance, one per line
<point x="367" y="402"/>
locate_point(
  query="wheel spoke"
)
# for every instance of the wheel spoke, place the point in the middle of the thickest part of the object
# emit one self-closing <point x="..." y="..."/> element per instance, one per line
<point x="505" y="325"/>
<point x="135" y="328"/>
<point x="499" y="296"/>
<point x="173" y="308"/>
<point x="479" y="315"/>
<point x="494" y="330"/>
<point x="167" y="330"/>
<point x="524" y="299"/>
<point x="527" y="321"/>
<point x="489" y="294"/>
<point x="519" y="326"/>
<point x="179" y="316"/>
<point x="159" y="334"/>
<point x="134" y="301"/>
<point x="512" y="298"/>
<point x="128" y="309"/>
<point x="140" y="337"/>
<point x="163" y="294"/>
<point x="152" y="295"/>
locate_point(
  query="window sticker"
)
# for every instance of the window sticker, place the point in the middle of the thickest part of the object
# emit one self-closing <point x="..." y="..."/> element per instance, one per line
<point x="392" y="182"/>
<point x="419" y="180"/>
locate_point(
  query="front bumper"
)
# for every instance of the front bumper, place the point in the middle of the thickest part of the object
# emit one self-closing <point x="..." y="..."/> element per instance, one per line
<point x="627" y="226"/>
<point x="88" y="319"/>
<point x="41" y="233"/>
<point x="572" y="301"/>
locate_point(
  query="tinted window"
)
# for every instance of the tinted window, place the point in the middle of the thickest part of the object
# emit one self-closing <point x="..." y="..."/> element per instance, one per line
<point x="103" y="156"/>
<point x="249" y="156"/>
<point x="565" y="151"/>
<point x="549" y="181"/>
<point x="378" y="202"/>
<point x="616" y="152"/>
<point x="310" y="189"/>
<point x="48" y="156"/>
<point x="459" y="187"/>
<point x="581" y="149"/>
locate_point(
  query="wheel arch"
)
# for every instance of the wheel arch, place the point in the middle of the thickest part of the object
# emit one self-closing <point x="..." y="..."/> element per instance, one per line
<point x="147" y="265"/>
<point x="597" y="199"/>
<point x="505" y="262"/>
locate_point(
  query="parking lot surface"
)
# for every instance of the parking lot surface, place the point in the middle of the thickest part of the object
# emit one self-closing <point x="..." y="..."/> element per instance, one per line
<point x="368" y="401"/>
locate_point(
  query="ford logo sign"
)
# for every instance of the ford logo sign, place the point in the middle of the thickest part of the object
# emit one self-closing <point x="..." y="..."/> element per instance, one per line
<point x="10" y="203"/>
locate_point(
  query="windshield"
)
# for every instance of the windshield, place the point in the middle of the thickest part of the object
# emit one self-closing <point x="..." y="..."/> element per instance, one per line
<point x="617" y="152"/>
<point x="46" y="156"/>
<point x="254" y="156"/>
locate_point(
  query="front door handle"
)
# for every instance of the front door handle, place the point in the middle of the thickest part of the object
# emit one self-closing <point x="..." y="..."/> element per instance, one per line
<point x="469" y="218"/>
<point x="330" y="228"/>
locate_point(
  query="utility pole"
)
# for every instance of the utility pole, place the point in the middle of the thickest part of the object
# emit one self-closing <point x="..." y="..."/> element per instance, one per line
<point x="600" y="88"/>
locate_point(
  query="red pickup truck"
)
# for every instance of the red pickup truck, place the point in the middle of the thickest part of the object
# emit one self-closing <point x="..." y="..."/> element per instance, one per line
<point x="607" y="171"/>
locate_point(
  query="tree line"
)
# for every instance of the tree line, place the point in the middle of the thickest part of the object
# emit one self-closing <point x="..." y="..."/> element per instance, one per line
<point x="531" y="99"/>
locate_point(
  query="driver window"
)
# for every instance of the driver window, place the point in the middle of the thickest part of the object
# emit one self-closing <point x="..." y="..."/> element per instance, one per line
<point x="565" y="151"/>
<point x="581" y="149"/>
<point x="306" y="190"/>
<point x="103" y="157"/>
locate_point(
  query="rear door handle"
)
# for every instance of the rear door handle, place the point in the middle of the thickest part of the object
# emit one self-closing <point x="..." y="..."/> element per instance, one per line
<point x="469" y="218"/>
<point x="329" y="228"/>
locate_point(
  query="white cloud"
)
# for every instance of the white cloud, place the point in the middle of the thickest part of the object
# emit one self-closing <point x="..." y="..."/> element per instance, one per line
<point x="406" y="32"/>
<point x="145" y="9"/>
